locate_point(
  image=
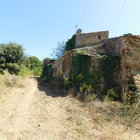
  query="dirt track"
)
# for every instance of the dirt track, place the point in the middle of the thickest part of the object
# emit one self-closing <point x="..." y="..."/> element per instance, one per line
<point x="30" y="114"/>
<point x="33" y="112"/>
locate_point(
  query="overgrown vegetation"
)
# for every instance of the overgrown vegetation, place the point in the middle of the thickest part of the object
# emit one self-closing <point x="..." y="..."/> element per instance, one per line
<point x="35" y="65"/>
<point x="13" y="59"/>
<point x="47" y="74"/>
<point x="80" y="70"/>
<point x="70" y="44"/>
<point x="63" y="47"/>
<point x="110" y="65"/>
<point x="80" y="79"/>
<point x="59" y="51"/>
<point x="123" y="116"/>
<point x="132" y="93"/>
<point x="98" y="83"/>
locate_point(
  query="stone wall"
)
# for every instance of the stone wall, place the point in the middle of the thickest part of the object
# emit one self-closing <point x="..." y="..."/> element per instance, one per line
<point x="127" y="48"/>
<point x="62" y="67"/>
<point x="86" y="39"/>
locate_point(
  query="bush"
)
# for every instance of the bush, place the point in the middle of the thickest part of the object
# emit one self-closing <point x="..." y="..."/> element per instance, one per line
<point x="46" y="61"/>
<point x="11" y="57"/>
<point x="109" y="66"/>
<point x="47" y="74"/>
<point x="80" y="69"/>
<point x="24" y="71"/>
<point x="113" y="94"/>
<point x="132" y="93"/>
<point x="70" y="44"/>
<point x="80" y="78"/>
<point x="35" y="65"/>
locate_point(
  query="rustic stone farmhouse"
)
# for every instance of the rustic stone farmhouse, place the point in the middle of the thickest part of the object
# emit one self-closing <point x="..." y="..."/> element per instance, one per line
<point x="114" y="62"/>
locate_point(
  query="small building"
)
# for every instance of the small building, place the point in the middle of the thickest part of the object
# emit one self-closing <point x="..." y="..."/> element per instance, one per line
<point x="88" y="39"/>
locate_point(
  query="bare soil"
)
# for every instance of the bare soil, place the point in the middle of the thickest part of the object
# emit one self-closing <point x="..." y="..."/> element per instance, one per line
<point x="28" y="113"/>
<point x="32" y="112"/>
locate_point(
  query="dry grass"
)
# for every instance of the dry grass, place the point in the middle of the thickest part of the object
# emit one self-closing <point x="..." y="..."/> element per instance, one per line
<point x="114" y="120"/>
<point x="106" y="120"/>
<point x="95" y="120"/>
<point x="8" y="82"/>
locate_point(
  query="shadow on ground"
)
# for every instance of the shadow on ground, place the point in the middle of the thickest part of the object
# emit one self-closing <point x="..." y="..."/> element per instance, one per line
<point x="50" y="89"/>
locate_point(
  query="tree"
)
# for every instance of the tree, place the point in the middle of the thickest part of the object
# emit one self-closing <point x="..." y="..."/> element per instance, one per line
<point x="63" y="47"/>
<point x="70" y="44"/>
<point x="35" y="65"/>
<point x="59" y="51"/>
<point x="11" y="57"/>
<point x="46" y="61"/>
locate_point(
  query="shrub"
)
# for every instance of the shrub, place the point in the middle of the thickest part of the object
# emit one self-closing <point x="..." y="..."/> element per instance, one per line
<point x="113" y="94"/>
<point x="85" y="88"/>
<point x="24" y="71"/>
<point x="132" y="93"/>
<point x="109" y="66"/>
<point x="47" y="74"/>
<point x="35" y="65"/>
<point x="11" y="57"/>
<point x="46" y="61"/>
<point x="80" y="77"/>
<point x="101" y="82"/>
<point x="70" y="44"/>
<point x="80" y="71"/>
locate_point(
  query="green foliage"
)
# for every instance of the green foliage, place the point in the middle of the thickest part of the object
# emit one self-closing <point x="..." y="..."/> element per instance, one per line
<point x="63" y="48"/>
<point x="1" y="71"/>
<point x="113" y="94"/>
<point x="85" y="82"/>
<point x="46" y="61"/>
<point x="85" y="88"/>
<point x="35" y="65"/>
<point x="13" y="68"/>
<point x="86" y="97"/>
<point x="11" y="53"/>
<point x="47" y="74"/>
<point x="132" y="94"/>
<point x="80" y="77"/>
<point x="26" y="62"/>
<point x="89" y="97"/>
<point x="24" y="71"/>
<point x="59" y="51"/>
<point x="11" y="57"/>
<point x="80" y="70"/>
<point x="70" y="44"/>
<point x="110" y="65"/>
<point x="37" y="71"/>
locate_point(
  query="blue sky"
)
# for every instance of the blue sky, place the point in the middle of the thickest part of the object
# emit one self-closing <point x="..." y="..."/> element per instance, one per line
<point x="39" y="24"/>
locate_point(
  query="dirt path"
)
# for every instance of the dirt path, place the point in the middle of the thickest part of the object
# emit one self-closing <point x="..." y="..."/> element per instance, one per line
<point x="29" y="114"/>
<point x="38" y="113"/>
